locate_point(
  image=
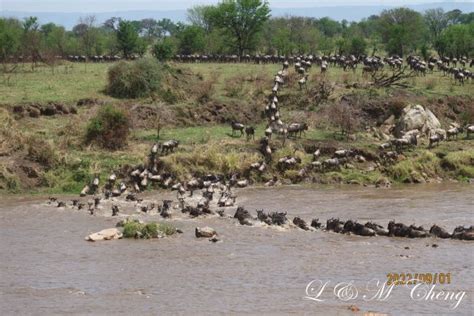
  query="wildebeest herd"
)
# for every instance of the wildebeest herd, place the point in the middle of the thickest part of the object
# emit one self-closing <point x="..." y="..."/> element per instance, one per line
<point x="455" y="67"/>
<point x="277" y="219"/>
<point x="138" y="178"/>
<point x="388" y="151"/>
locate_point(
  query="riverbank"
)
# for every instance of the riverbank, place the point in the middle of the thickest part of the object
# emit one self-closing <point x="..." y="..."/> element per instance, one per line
<point x="44" y="149"/>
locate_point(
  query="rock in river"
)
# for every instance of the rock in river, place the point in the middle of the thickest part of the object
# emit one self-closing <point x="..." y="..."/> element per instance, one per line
<point x="106" y="234"/>
<point x="205" y="232"/>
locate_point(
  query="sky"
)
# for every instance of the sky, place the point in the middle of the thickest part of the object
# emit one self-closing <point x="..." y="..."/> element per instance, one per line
<point x="126" y="5"/>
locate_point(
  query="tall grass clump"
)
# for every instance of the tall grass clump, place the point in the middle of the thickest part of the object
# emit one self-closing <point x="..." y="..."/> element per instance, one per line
<point x="109" y="128"/>
<point x="137" y="79"/>
<point x="11" y="139"/>
<point x="42" y="152"/>
<point x="461" y="163"/>
<point x="136" y="229"/>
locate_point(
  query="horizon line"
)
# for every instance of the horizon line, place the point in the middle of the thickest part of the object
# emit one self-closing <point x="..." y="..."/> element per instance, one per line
<point x="277" y="7"/>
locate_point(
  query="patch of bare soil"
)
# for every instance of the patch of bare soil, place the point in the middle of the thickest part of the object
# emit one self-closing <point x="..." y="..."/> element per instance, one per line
<point x="146" y="116"/>
<point x="20" y="172"/>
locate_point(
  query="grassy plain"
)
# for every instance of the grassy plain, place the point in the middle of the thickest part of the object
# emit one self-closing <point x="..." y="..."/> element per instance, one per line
<point x="69" y="82"/>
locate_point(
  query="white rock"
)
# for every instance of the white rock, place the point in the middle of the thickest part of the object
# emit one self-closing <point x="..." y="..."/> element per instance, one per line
<point x="416" y="117"/>
<point x="106" y="234"/>
<point x="205" y="232"/>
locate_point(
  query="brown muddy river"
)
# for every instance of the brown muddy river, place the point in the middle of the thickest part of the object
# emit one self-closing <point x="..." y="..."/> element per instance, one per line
<point x="47" y="268"/>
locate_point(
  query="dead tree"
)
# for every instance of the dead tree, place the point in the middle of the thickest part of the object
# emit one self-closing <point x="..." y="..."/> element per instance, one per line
<point x="382" y="79"/>
<point x="344" y="117"/>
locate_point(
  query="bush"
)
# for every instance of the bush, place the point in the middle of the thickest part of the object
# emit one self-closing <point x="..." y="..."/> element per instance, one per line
<point x="430" y="84"/>
<point x="11" y="137"/>
<point x="109" y="129"/>
<point x="137" y="79"/>
<point x="42" y="152"/>
<point x="147" y="231"/>
<point x="164" y="50"/>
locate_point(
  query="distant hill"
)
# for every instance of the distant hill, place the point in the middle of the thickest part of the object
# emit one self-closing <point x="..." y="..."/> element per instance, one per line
<point x="350" y="13"/>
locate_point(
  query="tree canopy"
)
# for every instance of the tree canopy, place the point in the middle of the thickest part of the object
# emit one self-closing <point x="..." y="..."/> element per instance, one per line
<point x="243" y="27"/>
<point x="241" y="20"/>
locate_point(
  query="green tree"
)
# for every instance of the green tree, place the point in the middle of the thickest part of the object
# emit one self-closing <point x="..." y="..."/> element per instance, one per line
<point x="191" y="40"/>
<point x="150" y="29"/>
<point x="164" y="49"/>
<point x="31" y="39"/>
<point x="127" y="38"/>
<point x="166" y="27"/>
<point x="357" y="46"/>
<point x="201" y="15"/>
<point x="402" y="30"/>
<point x="281" y="41"/>
<point x="454" y="16"/>
<point x="54" y="38"/>
<point x="436" y="21"/>
<point x="329" y="27"/>
<point x="10" y="38"/>
<point x="456" y="41"/>
<point x="87" y="32"/>
<point x="241" y="20"/>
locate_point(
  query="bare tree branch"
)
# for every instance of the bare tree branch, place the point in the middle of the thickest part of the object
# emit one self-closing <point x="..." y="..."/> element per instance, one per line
<point x="397" y="78"/>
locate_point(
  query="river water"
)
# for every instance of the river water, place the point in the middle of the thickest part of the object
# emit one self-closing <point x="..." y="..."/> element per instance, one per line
<point x="47" y="268"/>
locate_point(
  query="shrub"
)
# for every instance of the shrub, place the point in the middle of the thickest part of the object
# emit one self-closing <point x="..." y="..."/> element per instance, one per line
<point x="109" y="129"/>
<point x="164" y="50"/>
<point x="137" y="79"/>
<point x="430" y="84"/>
<point x="10" y="135"/>
<point x="151" y="230"/>
<point x="131" y="229"/>
<point x="203" y="90"/>
<point x="396" y="107"/>
<point x="42" y="152"/>
<point x="344" y="117"/>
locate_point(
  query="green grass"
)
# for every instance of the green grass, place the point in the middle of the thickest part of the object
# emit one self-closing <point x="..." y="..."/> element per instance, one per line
<point x="210" y="158"/>
<point x="147" y="231"/>
<point x="69" y="83"/>
<point x="460" y="163"/>
<point x="73" y="81"/>
<point x="187" y="135"/>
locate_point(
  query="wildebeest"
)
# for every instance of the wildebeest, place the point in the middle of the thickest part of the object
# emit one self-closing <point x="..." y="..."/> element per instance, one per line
<point x="115" y="210"/>
<point x="268" y="132"/>
<point x="358" y="229"/>
<point x="243" y="216"/>
<point x="300" y="223"/>
<point x="404" y="142"/>
<point x="453" y="132"/>
<point x="169" y="146"/>
<point x="315" y="223"/>
<point x="250" y="132"/>
<point x="469" y="130"/>
<point x="463" y="233"/>
<point x="332" y="163"/>
<point x="439" y="232"/>
<point x="335" y="225"/>
<point x="237" y="127"/>
<point x="297" y="129"/>
<point x="435" y="139"/>
<point x="379" y="229"/>
<point x="302" y="81"/>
